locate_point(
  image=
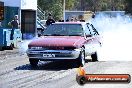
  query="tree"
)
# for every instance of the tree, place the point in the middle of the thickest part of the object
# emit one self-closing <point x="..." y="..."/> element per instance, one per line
<point x="55" y="7"/>
<point x="128" y="8"/>
<point x="51" y="6"/>
<point x="100" y="5"/>
<point x="69" y="4"/>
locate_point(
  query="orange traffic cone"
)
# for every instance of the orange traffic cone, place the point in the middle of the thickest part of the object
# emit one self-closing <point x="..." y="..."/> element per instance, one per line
<point x="81" y="71"/>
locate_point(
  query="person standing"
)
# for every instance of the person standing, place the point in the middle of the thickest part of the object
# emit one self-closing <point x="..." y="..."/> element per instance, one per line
<point x="72" y="19"/>
<point x="93" y="16"/>
<point x="50" y="20"/>
<point x="81" y="18"/>
<point x="14" y="25"/>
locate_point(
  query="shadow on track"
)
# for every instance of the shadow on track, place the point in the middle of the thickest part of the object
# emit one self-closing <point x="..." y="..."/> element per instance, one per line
<point x="50" y="66"/>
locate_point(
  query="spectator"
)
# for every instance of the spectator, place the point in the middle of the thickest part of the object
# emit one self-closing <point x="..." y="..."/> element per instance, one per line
<point x="72" y="19"/>
<point x="67" y="20"/>
<point x="81" y="18"/>
<point x="14" y="25"/>
<point x="50" y="20"/>
<point x="93" y="16"/>
<point x="76" y="19"/>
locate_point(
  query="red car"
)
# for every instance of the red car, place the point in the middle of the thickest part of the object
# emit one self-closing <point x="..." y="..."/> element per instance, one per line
<point x="65" y="41"/>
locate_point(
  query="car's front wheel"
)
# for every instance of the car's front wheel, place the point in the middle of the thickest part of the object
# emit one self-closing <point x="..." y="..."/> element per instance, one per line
<point x="33" y="62"/>
<point x="81" y="58"/>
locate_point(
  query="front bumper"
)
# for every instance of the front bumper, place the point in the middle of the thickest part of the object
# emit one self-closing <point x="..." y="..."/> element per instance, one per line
<point x="53" y="54"/>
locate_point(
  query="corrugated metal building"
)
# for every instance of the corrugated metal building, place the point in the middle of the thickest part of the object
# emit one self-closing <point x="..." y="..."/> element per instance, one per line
<point x="27" y="13"/>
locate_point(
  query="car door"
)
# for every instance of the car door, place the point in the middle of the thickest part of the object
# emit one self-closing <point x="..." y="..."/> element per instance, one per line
<point x="94" y="37"/>
<point x="89" y="41"/>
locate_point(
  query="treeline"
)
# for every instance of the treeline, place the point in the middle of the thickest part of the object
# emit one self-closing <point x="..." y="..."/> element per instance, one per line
<point x="101" y="5"/>
<point x="55" y="7"/>
<point x="128" y="8"/>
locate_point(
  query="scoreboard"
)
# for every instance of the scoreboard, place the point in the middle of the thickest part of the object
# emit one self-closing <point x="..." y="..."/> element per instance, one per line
<point x="1" y="11"/>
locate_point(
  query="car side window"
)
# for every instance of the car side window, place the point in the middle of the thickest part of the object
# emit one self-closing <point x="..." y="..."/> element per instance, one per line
<point x="87" y="31"/>
<point x="92" y="29"/>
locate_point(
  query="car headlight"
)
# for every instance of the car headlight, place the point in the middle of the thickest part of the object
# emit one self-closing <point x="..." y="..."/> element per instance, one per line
<point x="35" y="47"/>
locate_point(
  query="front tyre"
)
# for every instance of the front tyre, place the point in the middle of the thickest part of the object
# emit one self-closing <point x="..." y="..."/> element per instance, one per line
<point x="81" y="58"/>
<point x="33" y="62"/>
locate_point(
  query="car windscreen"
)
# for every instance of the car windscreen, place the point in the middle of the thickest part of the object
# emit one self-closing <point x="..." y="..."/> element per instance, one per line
<point x="64" y="30"/>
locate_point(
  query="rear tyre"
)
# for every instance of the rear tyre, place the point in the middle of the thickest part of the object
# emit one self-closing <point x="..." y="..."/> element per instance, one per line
<point x="11" y="47"/>
<point x="81" y="58"/>
<point x="33" y="62"/>
<point x="94" y="57"/>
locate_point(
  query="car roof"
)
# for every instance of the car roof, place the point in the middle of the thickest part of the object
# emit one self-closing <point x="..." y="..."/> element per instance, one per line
<point x="70" y="23"/>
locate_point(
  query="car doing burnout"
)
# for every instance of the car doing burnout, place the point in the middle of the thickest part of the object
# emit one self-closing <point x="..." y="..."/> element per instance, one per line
<point x="65" y="41"/>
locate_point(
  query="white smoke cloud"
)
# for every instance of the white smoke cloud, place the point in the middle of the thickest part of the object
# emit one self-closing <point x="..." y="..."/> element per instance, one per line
<point x="117" y="34"/>
<point x="23" y="46"/>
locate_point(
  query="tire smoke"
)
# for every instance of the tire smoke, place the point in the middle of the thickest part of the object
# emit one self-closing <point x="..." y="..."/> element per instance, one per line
<point x="116" y="35"/>
<point x="23" y="46"/>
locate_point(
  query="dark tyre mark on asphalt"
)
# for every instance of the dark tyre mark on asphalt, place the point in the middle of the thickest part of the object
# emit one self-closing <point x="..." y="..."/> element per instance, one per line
<point x="50" y="66"/>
